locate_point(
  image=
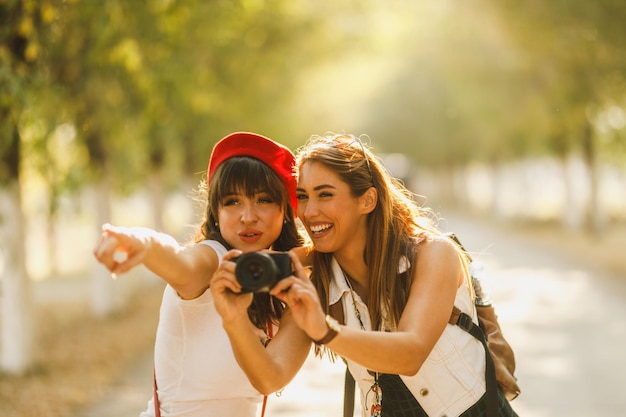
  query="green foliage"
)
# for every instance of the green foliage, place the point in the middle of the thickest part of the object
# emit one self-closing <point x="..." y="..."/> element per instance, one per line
<point x="156" y="83"/>
<point x="498" y="80"/>
<point x="20" y="53"/>
<point x="577" y="50"/>
<point x="152" y="85"/>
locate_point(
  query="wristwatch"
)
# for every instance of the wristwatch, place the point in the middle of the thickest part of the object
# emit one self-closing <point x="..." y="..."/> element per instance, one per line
<point x="333" y="331"/>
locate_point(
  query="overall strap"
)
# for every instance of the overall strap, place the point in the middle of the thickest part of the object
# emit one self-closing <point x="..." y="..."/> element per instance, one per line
<point x="348" y="394"/>
<point x="336" y="311"/>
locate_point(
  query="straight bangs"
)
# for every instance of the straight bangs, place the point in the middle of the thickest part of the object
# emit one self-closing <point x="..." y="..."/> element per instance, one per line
<point x="246" y="175"/>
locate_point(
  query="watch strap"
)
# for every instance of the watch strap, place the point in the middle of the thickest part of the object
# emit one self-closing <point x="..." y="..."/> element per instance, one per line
<point x="330" y="334"/>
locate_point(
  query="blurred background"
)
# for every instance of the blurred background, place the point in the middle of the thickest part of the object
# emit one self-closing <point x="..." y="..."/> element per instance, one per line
<point x="509" y="111"/>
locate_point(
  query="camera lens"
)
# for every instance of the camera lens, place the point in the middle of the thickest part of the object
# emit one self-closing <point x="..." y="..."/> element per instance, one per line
<point x="255" y="271"/>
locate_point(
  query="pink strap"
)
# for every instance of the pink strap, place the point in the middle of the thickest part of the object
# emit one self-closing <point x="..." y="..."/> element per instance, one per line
<point x="157" y="408"/>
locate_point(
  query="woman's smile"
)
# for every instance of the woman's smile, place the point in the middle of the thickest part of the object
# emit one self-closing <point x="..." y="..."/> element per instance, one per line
<point x="319" y="229"/>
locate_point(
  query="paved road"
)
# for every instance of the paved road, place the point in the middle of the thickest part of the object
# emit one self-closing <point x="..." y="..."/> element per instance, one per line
<point x="563" y="316"/>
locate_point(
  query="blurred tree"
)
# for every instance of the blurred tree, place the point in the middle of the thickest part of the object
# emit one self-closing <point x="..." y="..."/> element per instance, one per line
<point x="459" y="95"/>
<point x="146" y="88"/>
<point x="577" y="51"/>
<point x="495" y="81"/>
<point x="152" y="86"/>
<point x="20" y="26"/>
<point x="89" y="57"/>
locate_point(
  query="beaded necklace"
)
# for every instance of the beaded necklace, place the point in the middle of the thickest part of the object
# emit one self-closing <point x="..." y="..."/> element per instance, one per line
<point x="377" y="408"/>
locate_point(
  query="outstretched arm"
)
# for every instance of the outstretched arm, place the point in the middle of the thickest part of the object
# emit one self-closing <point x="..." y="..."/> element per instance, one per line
<point x="188" y="269"/>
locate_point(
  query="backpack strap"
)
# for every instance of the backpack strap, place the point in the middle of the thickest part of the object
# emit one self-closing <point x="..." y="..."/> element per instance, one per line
<point x="458" y="318"/>
<point x="465" y="322"/>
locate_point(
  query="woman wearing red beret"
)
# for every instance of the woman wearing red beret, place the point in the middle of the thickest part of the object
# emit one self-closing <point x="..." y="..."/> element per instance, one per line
<point x="209" y="325"/>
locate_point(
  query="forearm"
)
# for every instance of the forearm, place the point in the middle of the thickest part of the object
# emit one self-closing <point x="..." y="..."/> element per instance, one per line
<point x="435" y="283"/>
<point x="182" y="267"/>
<point x="385" y="352"/>
<point x="162" y="251"/>
<point x="252" y="356"/>
<point x="269" y="368"/>
<point x="167" y="258"/>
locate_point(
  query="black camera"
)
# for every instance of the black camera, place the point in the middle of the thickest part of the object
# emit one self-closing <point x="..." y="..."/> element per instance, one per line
<point x="260" y="271"/>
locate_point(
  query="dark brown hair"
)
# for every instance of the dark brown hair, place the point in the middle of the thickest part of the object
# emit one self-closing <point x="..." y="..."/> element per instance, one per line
<point x="250" y="176"/>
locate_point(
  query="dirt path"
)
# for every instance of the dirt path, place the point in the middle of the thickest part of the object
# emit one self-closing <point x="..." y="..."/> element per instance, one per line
<point x="562" y="312"/>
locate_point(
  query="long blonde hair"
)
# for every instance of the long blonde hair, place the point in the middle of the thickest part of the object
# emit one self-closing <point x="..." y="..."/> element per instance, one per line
<point x="394" y="228"/>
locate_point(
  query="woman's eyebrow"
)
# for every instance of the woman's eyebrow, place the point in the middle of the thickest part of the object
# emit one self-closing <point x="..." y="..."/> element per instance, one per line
<point x="317" y="188"/>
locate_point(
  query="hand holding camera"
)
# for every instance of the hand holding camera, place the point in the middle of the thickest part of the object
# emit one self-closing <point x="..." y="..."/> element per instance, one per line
<point x="260" y="271"/>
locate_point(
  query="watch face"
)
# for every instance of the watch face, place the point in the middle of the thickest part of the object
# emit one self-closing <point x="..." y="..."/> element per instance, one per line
<point x="332" y="323"/>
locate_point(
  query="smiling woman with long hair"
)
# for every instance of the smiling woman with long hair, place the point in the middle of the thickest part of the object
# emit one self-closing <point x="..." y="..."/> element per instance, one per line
<point x="384" y="283"/>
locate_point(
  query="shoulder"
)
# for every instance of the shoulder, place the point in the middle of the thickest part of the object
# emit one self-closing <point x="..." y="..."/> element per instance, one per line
<point x="214" y="246"/>
<point x="437" y="246"/>
<point x="439" y="256"/>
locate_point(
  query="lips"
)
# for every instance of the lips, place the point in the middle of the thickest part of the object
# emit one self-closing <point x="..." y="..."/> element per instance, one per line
<point x="250" y="235"/>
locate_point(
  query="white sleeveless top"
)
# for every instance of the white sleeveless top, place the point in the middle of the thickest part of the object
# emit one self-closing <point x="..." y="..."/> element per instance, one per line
<point x="196" y="371"/>
<point x="451" y="379"/>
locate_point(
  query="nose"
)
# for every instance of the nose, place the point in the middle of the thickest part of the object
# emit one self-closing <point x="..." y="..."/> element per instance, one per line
<point x="249" y="213"/>
<point x="307" y="210"/>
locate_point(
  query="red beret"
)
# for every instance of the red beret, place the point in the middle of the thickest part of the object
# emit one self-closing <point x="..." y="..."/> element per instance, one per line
<point x="273" y="154"/>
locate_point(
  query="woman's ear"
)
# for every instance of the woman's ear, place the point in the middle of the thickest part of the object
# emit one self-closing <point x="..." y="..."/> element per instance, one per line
<point x="369" y="199"/>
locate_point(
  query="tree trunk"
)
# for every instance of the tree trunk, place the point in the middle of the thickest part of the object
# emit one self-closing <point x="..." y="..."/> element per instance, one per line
<point x="573" y="216"/>
<point x="596" y="218"/>
<point x="105" y="299"/>
<point x="157" y="197"/>
<point x="498" y="177"/>
<point x="16" y="312"/>
<point x="51" y="235"/>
